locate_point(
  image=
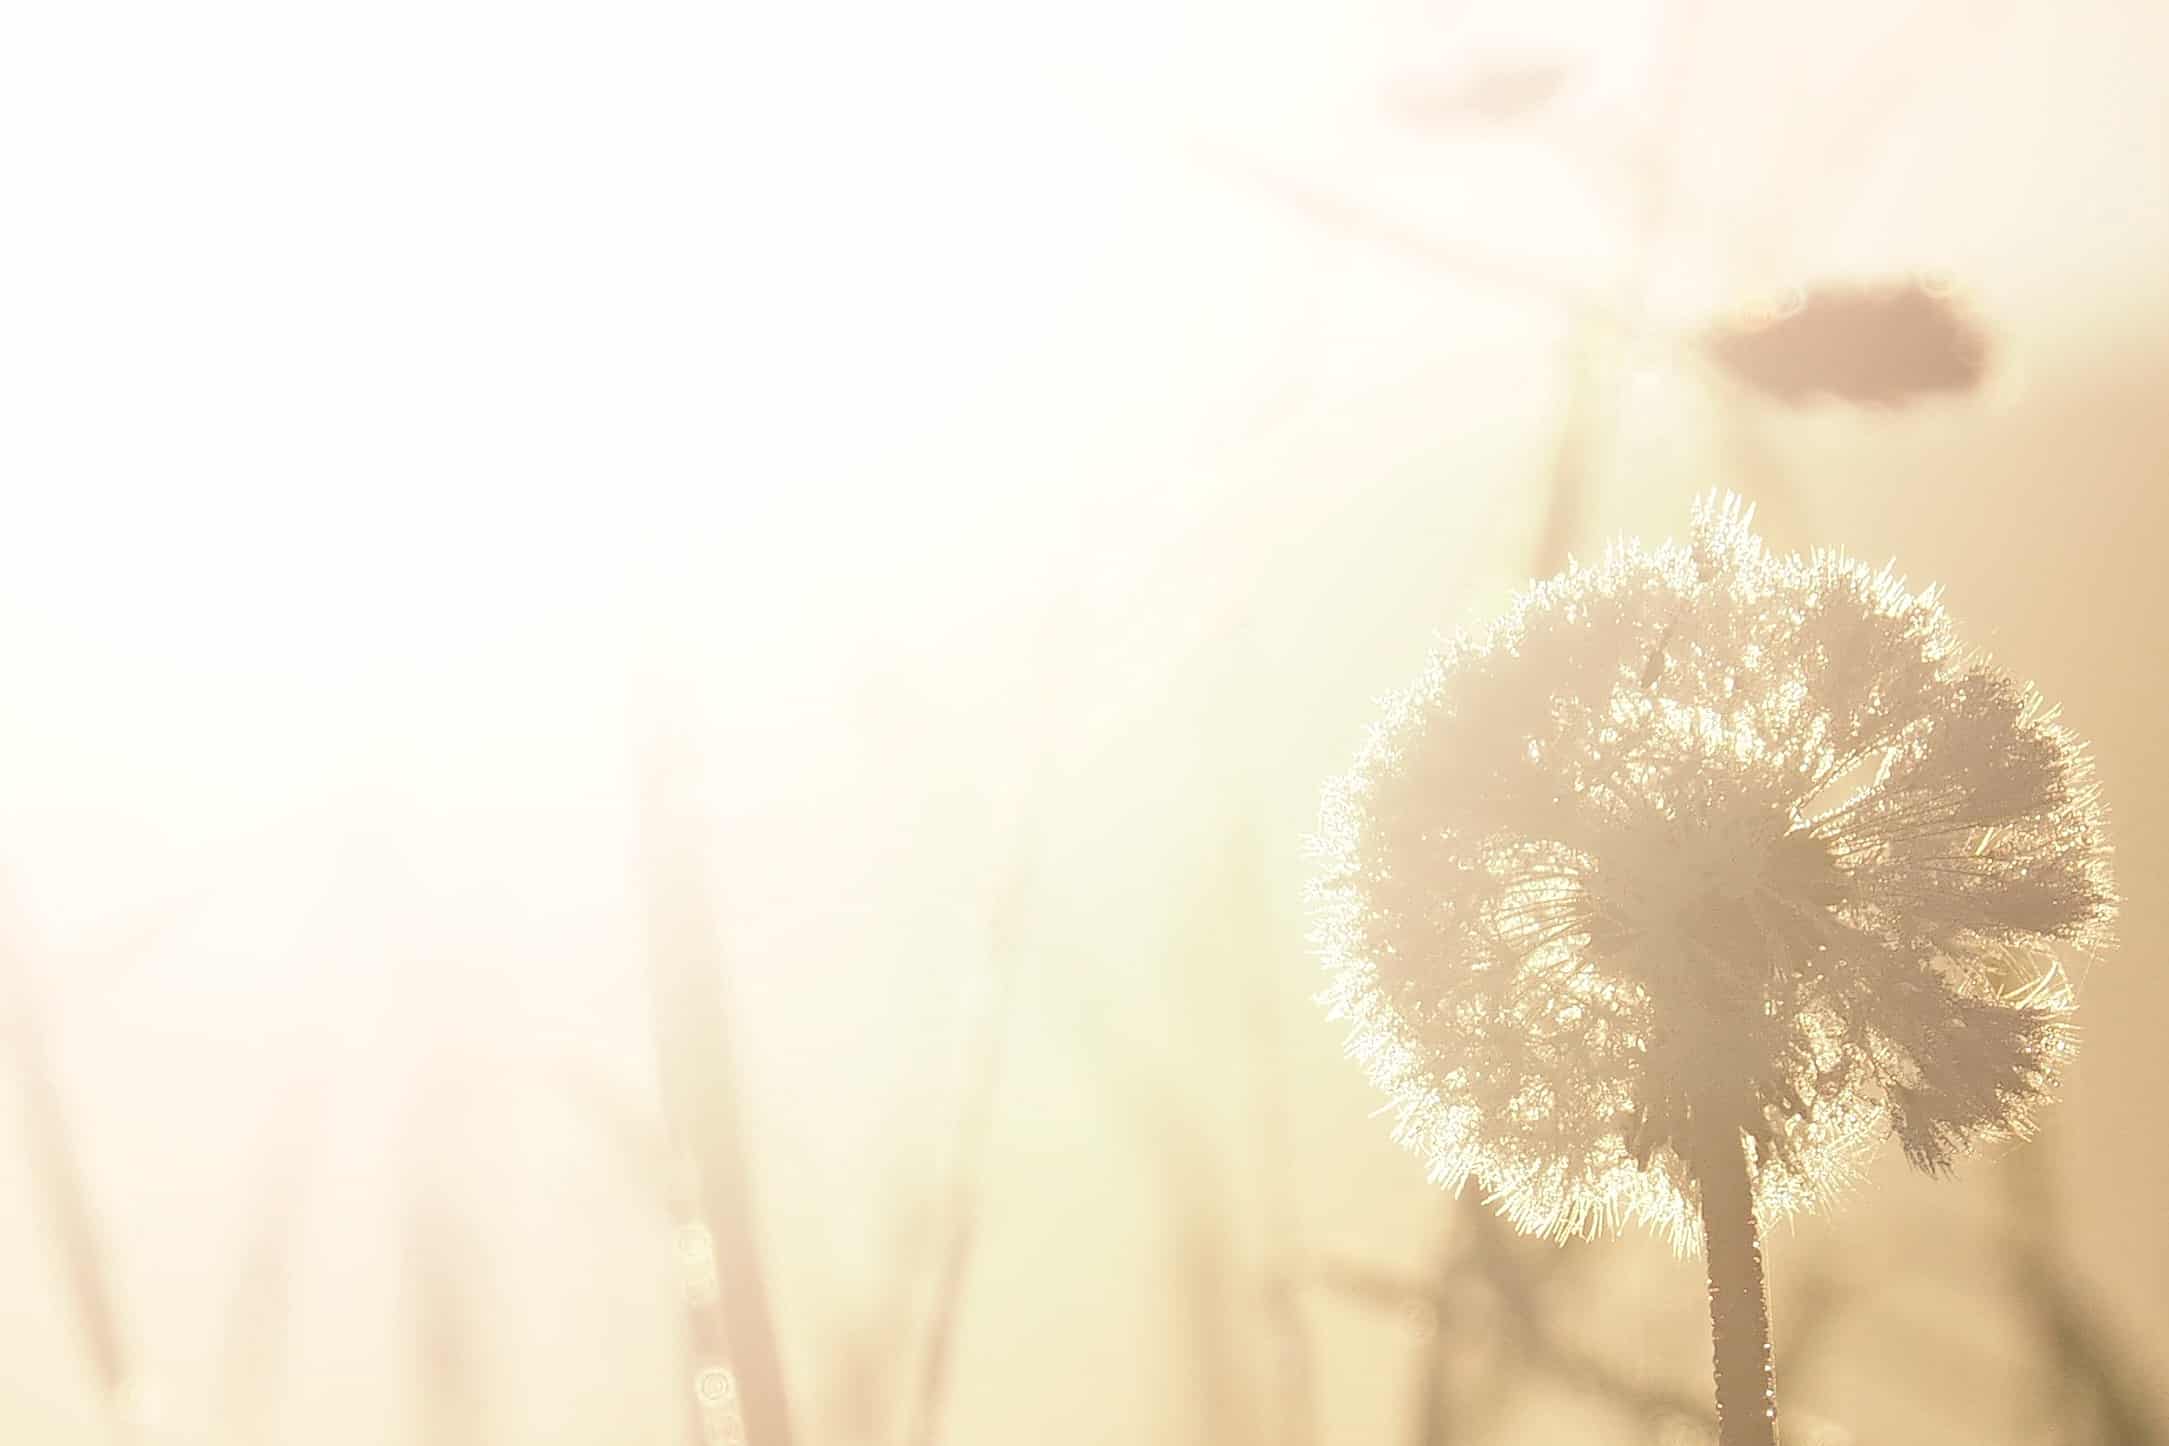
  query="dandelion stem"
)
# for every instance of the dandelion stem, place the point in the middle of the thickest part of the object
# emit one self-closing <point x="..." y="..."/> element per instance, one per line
<point x="1739" y="1307"/>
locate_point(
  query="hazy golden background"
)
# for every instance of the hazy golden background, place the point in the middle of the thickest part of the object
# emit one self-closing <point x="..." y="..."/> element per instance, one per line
<point x="1015" y="445"/>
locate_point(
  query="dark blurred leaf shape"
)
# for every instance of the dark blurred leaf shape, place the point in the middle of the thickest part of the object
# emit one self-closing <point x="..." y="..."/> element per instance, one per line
<point x="1494" y="94"/>
<point x="1873" y="344"/>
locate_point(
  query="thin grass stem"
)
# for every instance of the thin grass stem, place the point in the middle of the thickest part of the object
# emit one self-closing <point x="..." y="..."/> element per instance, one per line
<point x="697" y="1067"/>
<point x="57" y="1172"/>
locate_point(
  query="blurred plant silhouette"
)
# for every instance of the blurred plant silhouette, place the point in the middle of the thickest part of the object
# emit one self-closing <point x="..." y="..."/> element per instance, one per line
<point x="56" y="1174"/>
<point x="696" y="1066"/>
<point x="1872" y="345"/>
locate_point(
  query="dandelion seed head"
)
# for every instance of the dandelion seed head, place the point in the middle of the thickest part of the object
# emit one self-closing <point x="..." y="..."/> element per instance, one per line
<point x="1706" y="829"/>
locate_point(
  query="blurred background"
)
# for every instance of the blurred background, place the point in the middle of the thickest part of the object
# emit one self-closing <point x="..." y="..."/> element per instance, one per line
<point x="665" y="672"/>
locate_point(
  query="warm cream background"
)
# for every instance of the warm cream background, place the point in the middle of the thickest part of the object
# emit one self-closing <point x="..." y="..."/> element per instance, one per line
<point x="1032" y="504"/>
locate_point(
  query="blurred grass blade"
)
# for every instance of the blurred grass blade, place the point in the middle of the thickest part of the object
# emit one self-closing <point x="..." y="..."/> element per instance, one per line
<point x="974" y="1126"/>
<point x="1497" y="271"/>
<point x="1498" y="93"/>
<point x="254" y="1357"/>
<point x="56" y="1175"/>
<point x="446" y="1324"/>
<point x="697" y="1069"/>
<point x="1574" y="457"/>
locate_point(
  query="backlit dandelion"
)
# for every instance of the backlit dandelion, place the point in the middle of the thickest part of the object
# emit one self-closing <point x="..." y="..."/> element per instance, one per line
<point x="1697" y="873"/>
